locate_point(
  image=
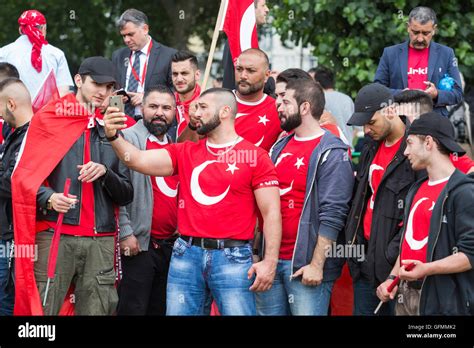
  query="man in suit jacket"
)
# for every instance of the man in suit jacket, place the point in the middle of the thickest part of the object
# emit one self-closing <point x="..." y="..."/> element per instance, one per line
<point x="143" y="63"/>
<point x="421" y="63"/>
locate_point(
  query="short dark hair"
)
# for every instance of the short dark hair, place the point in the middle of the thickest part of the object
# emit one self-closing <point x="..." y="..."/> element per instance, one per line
<point x="415" y="96"/>
<point x="10" y="81"/>
<point x="226" y="94"/>
<point x="324" y="76"/>
<point x="293" y="74"/>
<point x="441" y="148"/>
<point x="182" y="56"/>
<point x="159" y="89"/>
<point x="308" y="91"/>
<point x="132" y="15"/>
<point x="8" y="70"/>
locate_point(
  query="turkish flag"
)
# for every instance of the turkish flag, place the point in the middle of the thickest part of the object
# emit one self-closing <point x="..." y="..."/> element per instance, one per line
<point x="240" y="26"/>
<point x="52" y="132"/>
<point x="47" y="92"/>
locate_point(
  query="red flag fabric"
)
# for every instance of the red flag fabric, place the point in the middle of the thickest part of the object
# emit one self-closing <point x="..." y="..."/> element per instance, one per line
<point x="51" y="133"/>
<point x="53" y="253"/>
<point x="47" y="92"/>
<point x="240" y="26"/>
<point x="29" y="21"/>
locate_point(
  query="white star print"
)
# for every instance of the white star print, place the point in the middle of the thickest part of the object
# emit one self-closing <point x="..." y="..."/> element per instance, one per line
<point x="299" y="162"/>
<point x="34" y="15"/>
<point x="263" y="119"/>
<point x="232" y="168"/>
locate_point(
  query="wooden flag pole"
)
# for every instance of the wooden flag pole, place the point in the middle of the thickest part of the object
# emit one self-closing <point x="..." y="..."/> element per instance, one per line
<point x="210" y="58"/>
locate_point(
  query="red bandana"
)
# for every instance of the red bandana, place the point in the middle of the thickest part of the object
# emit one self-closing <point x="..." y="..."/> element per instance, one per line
<point x="28" y="21"/>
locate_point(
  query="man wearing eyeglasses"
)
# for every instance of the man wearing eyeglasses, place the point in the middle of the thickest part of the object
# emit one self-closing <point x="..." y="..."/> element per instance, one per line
<point x="421" y="63"/>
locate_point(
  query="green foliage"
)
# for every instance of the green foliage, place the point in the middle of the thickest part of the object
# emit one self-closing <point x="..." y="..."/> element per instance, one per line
<point x="87" y="28"/>
<point x="349" y="36"/>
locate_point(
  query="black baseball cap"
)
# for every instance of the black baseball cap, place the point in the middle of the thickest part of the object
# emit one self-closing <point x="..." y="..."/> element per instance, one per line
<point x="438" y="127"/>
<point x="370" y="99"/>
<point x="100" y="69"/>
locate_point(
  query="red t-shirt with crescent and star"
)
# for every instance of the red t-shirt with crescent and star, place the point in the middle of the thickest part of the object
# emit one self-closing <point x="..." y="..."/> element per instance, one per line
<point x="216" y="193"/>
<point x="292" y="170"/>
<point x="377" y="169"/>
<point x="164" y="220"/>
<point x="258" y="122"/>
<point x="415" y="240"/>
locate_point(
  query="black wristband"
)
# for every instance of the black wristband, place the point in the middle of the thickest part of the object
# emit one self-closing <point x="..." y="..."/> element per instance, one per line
<point x="391" y="277"/>
<point x="192" y="127"/>
<point x="110" y="139"/>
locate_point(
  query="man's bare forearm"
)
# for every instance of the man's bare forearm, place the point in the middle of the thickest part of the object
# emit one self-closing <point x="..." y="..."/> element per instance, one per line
<point x="151" y="162"/>
<point x="272" y="233"/>
<point x="319" y="255"/>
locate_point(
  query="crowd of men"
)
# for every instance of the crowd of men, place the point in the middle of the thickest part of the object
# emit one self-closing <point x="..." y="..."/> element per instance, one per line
<point x="188" y="198"/>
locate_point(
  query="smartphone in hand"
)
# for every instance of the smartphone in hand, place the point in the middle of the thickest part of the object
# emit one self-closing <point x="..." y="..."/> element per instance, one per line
<point x="116" y="101"/>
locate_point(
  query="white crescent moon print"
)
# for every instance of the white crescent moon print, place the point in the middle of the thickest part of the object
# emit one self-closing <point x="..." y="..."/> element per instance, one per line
<point x="412" y="242"/>
<point x="196" y="190"/>
<point x="164" y="188"/>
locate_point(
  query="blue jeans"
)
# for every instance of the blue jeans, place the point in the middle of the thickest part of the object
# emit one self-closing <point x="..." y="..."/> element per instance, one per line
<point x="7" y="289"/>
<point x="366" y="300"/>
<point x="197" y="274"/>
<point x="291" y="297"/>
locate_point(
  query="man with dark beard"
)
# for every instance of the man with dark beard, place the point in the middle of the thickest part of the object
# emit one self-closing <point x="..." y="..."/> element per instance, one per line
<point x="224" y="181"/>
<point x="148" y="224"/>
<point x="257" y="117"/>
<point x="316" y="181"/>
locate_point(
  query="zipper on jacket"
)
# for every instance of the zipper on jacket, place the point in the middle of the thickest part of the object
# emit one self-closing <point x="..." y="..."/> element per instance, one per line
<point x="330" y="147"/>
<point x="80" y="184"/>
<point x="304" y="205"/>
<point x="434" y="245"/>
<point x="365" y="203"/>
<point x="360" y="214"/>
<point x="92" y="183"/>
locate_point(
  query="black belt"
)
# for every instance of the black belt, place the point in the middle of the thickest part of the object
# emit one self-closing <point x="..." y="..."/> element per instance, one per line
<point x="157" y="243"/>
<point x="210" y="243"/>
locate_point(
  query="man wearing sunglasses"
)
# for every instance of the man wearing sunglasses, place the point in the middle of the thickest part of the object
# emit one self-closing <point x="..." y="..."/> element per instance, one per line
<point x="420" y="63"/>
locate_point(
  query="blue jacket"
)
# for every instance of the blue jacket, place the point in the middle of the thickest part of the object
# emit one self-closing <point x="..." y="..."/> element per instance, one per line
<point x="393" y="72"/>
<point x="329" y="185"/>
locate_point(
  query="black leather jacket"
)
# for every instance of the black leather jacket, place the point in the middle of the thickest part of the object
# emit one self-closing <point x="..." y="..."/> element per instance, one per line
<point x="382" y="249"/>
<point x="111" y="190"/>
<point x="11" y="147"/>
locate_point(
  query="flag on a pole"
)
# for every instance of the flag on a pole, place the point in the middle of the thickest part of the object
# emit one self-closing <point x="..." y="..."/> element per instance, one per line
<point x="51" y="134"/>
<point x="240" y="26"/>
<point x="47" y="92"/>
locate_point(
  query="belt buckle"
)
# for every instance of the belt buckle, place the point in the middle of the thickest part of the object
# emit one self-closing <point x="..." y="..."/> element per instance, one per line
<point x="155" y="245"/>
<point x="209" y="244"/>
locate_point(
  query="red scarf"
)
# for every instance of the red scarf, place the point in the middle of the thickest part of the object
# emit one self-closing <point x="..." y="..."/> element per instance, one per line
<point x="28" y="21"/>
<point x="52" y="132"/>
<point x="184" y="105"/>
